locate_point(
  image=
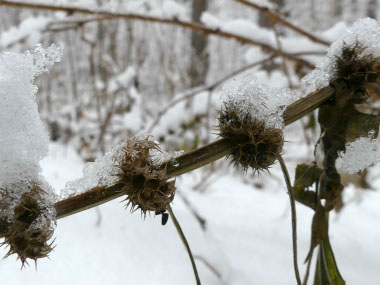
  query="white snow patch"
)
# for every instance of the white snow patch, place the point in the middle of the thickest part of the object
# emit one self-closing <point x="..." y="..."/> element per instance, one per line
<point x="360" y="154"/>
<point x="29" y="28"/>
<point x="23" y="138"/>
<point x="173" y="9"/>
<point x="103" y="172"/>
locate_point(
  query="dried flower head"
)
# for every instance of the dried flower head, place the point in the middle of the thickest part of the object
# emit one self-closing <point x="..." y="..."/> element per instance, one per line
<point x="146" y="187"/>
<point x="31" y="226"/>
<point x="359" y="69"/>
<point x="257" y="146"/>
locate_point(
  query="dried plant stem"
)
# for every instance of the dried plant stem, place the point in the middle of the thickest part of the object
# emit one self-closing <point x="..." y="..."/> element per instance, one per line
<point x="294" y="215"/>
<point x="188" y="161"/>
<point x="108" y="15"/>
<point x="307" y="273"/>
<point x="185" y="243"/>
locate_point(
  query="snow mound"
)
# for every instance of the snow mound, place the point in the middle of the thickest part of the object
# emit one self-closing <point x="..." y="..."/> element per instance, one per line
<point x="360" y="154"/>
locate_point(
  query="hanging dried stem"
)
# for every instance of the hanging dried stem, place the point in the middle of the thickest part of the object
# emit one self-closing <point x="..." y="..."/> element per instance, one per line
<point x="294" y="215"/>
<point x="185" y="243"/>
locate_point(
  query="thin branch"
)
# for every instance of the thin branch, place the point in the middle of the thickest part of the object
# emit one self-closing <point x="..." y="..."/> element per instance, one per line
<point x="208" y="88"/>
<point x="185" y="243"/>
<point x="209" y="266"/>
<point x="202" y="221"/>
<point x="294" y="215"/>
<point x="279" y="46"/>
<point x="280" y="19"/>
<point x="108" y="15"/>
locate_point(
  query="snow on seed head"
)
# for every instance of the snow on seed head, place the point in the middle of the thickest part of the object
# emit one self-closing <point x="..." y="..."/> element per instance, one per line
<point x="252" y="119"/>
<point x="355" y="56"/>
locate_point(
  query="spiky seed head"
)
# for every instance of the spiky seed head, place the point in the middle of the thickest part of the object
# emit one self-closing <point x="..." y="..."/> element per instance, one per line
<point x="257" y="146"/>
<point x="31" y="228"/>
<point x="358" y="69"/>
<point x="147" y="188"/>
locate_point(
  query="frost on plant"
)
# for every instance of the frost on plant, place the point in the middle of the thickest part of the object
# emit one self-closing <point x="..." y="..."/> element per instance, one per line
<point x="252" y="119"/>
<point x="103" y="172"/>
<point x="134" y="165"/>
<point x="258" y="101"/>
<point x="360" y="154"/>
<point x="363" y="38"/>
<point x="23" y="138"/>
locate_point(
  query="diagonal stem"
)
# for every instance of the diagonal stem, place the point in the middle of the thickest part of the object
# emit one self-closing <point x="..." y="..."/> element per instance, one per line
<point x="189" y="161"/>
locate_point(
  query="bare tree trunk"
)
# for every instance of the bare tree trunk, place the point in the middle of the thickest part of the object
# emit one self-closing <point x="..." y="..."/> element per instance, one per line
<point x="337" y="10"/>
<point x="265" y="22"/>
<point x="372" y="9"/>
<point x="199" y="60"/>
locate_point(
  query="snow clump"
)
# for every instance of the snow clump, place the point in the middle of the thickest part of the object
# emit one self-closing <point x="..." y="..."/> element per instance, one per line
<point x="258" y="101"/>
<point x="360" y="154"/>
<point x="23" y="137"/>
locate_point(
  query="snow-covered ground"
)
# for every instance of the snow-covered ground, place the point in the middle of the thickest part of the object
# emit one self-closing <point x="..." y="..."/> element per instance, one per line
<point x="247" y="241"/>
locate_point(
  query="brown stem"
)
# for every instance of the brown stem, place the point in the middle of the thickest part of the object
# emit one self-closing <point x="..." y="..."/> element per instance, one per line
<point x="138" y="17"/>
<point x="280" y="19"/>
<point x="190" y="160"/>
<point x="185" y="243"/>
<point x="294" y="216"/>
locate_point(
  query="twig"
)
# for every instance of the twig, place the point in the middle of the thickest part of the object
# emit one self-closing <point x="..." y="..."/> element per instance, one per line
<point x="202" y="221"/>
<point x="188" y="161"/>
<point x="280" y="19"/>
<point x="294" y="215"/>
<point x="185" y="243"/>
<point x="209" y="266"/>
<point x="108" y="15"/>
<point x="208" y="88"/>
<point x="279" y="46"/>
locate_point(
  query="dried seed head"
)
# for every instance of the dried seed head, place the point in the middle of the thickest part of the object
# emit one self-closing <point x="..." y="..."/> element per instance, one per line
<point x="359" y="69"/>
<point x="147" y="188"/>
<point x="257" y="146"/>
<point x="32" y="226"/>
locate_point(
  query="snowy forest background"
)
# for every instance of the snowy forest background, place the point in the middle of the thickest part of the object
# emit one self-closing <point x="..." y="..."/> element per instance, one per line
<point x="122" y="76"/>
